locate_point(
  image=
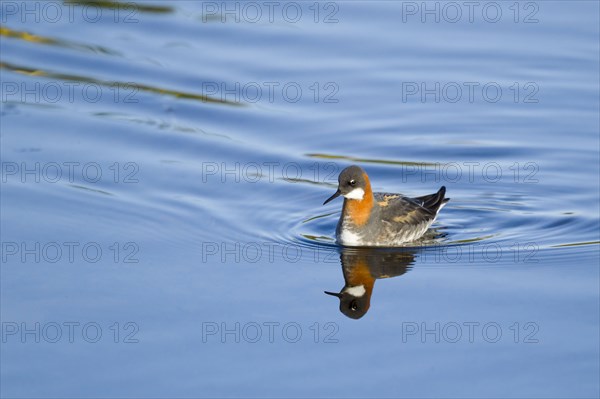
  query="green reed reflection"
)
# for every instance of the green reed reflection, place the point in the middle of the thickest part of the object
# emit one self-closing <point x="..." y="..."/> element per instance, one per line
<point x="116" y="84"/>
<point x="33" y="38"/>
<point x="112" y="5"/>
<point x="367" y="160"/>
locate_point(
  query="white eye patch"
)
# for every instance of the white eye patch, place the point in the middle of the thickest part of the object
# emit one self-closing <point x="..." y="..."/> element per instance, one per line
<point x="357" y="194"/>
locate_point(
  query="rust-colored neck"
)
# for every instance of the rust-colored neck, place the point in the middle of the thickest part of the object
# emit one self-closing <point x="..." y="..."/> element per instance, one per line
<point x="360" y="210"/>
<point x="360" y="274"/>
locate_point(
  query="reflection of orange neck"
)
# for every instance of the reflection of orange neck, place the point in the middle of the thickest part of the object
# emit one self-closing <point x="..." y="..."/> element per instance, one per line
<point x="360" y="210"/>
<point x="359" y="274"/>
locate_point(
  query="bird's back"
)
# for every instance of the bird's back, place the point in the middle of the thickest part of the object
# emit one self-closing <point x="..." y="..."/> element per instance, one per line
<point x="401" y="219"/>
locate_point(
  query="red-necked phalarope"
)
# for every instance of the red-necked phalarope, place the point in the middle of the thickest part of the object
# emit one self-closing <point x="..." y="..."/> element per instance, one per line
<point x="381" y="219"/>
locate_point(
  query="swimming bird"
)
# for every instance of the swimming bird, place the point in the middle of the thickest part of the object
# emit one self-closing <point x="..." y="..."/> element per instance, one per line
<point x="381" y="219"/>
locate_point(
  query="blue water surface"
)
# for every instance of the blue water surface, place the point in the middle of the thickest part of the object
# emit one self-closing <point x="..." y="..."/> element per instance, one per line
<point x="164" y="166"/>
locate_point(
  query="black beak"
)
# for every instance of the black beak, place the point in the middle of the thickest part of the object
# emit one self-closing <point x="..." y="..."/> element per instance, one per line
<point x="334" y="196"/>
<point x="333" y="294"/>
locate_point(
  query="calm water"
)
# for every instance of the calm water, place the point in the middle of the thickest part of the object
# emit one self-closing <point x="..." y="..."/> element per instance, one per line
<point x="164" y="166"/>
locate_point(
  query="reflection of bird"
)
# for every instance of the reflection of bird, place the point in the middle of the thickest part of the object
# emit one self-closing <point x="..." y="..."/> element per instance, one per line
<point x="381" y="219"/>
<point x="361" y="267"/>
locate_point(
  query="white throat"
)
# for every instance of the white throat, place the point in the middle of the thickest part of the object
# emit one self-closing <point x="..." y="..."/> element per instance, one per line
<point x="357" y="194"/>
<point x="356" y="291"/>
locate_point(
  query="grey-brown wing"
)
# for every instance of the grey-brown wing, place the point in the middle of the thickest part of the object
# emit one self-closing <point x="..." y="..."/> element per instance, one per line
<point x="396" y="208"/>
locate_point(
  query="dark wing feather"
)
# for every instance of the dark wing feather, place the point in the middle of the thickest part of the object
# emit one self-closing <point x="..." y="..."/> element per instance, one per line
<point x="433" y="202"/>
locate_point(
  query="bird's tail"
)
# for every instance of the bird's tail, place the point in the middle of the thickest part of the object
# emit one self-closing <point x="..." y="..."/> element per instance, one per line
<point x="435" y="202"/>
